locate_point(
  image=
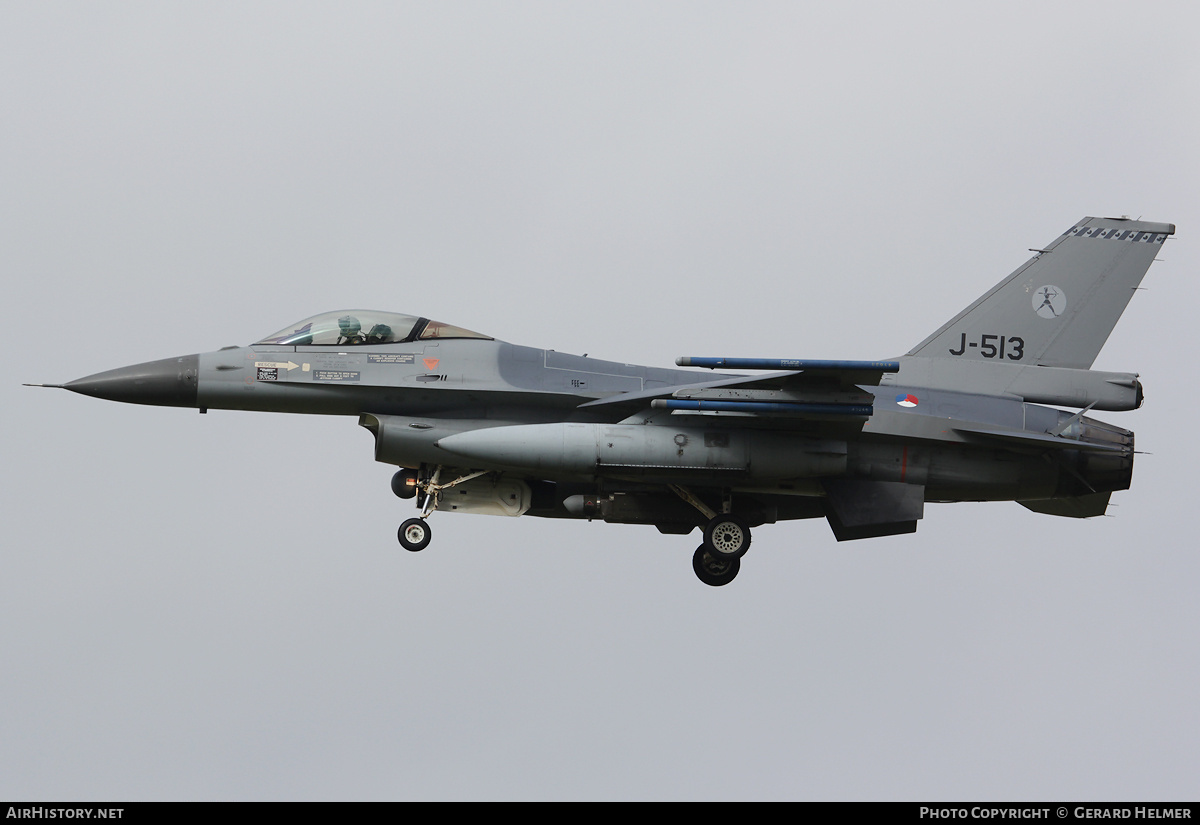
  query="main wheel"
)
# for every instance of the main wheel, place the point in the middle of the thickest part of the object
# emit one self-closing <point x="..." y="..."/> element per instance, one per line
<point x="714" y="572"/>
<point x="727" y="537"/>
<point x="414" y="534"/>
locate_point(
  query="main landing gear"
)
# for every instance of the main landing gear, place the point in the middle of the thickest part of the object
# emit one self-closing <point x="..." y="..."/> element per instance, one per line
<point x="714" y="572"/>
<point x="718" y="560"/>
<point x="727" y="537"/>
<point x="726" y="540"/>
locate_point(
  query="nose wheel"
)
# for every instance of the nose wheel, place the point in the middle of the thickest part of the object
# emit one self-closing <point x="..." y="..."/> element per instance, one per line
<point x="414" y="534"/>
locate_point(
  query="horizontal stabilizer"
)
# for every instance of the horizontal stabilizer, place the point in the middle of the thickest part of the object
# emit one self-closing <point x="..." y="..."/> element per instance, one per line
<point x="1040" y="440"/>
<point x="1074" y="507"/>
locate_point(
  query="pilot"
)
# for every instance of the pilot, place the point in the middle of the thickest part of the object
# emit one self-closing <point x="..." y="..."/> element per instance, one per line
<point x="351" y="331"/>
<point x="379" y="334"/>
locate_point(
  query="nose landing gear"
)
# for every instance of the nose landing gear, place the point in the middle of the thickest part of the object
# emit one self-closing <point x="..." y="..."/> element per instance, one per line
<point x="415" y="534"/>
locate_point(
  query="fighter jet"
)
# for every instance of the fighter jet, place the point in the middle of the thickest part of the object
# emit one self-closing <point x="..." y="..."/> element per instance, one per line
<point x="478" y="425"/>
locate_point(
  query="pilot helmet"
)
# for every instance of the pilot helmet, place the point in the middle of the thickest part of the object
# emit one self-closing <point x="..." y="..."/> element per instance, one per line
<point x="349" y="326"/>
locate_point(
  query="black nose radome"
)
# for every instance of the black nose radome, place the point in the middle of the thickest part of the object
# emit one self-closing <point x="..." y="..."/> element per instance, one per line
<point x="169" y="383"/>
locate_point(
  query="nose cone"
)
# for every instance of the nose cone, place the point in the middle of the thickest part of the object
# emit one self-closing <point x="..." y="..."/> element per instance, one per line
<point x="171" y="382"/>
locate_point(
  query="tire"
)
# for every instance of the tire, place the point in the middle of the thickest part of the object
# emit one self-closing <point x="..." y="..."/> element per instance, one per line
<point x="727" y="537"/>
<point x="714" y="572"/>
<point x="414" y="534"/>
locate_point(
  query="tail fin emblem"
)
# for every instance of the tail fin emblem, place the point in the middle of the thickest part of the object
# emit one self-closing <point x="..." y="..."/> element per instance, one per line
<point x="1049" y="301"/>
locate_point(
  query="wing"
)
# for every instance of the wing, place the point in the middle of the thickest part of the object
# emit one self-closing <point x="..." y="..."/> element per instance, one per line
<point x="805" y="390"/>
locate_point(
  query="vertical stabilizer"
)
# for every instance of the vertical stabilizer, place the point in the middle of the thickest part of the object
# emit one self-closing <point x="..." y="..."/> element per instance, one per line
<point x="1059" y="308"/>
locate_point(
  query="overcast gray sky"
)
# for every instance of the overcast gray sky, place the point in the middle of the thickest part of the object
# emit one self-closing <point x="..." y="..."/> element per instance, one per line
<point x="215" y="607"/>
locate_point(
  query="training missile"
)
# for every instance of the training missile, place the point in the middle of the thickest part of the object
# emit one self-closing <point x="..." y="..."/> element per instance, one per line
<point x="777" y="407"/>
<point x="787" y="364"/>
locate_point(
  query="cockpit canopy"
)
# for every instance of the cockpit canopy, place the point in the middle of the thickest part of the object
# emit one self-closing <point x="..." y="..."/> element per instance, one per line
<point x="355" y="327"/>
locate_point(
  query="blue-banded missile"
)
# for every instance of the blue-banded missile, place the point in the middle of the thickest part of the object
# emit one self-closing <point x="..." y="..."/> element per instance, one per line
<point x="773" y="407"/>
<point x="787" y="364"/>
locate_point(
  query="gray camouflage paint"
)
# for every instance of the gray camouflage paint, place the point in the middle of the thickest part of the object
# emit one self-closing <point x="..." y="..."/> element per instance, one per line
<point x="958" y="418"/>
